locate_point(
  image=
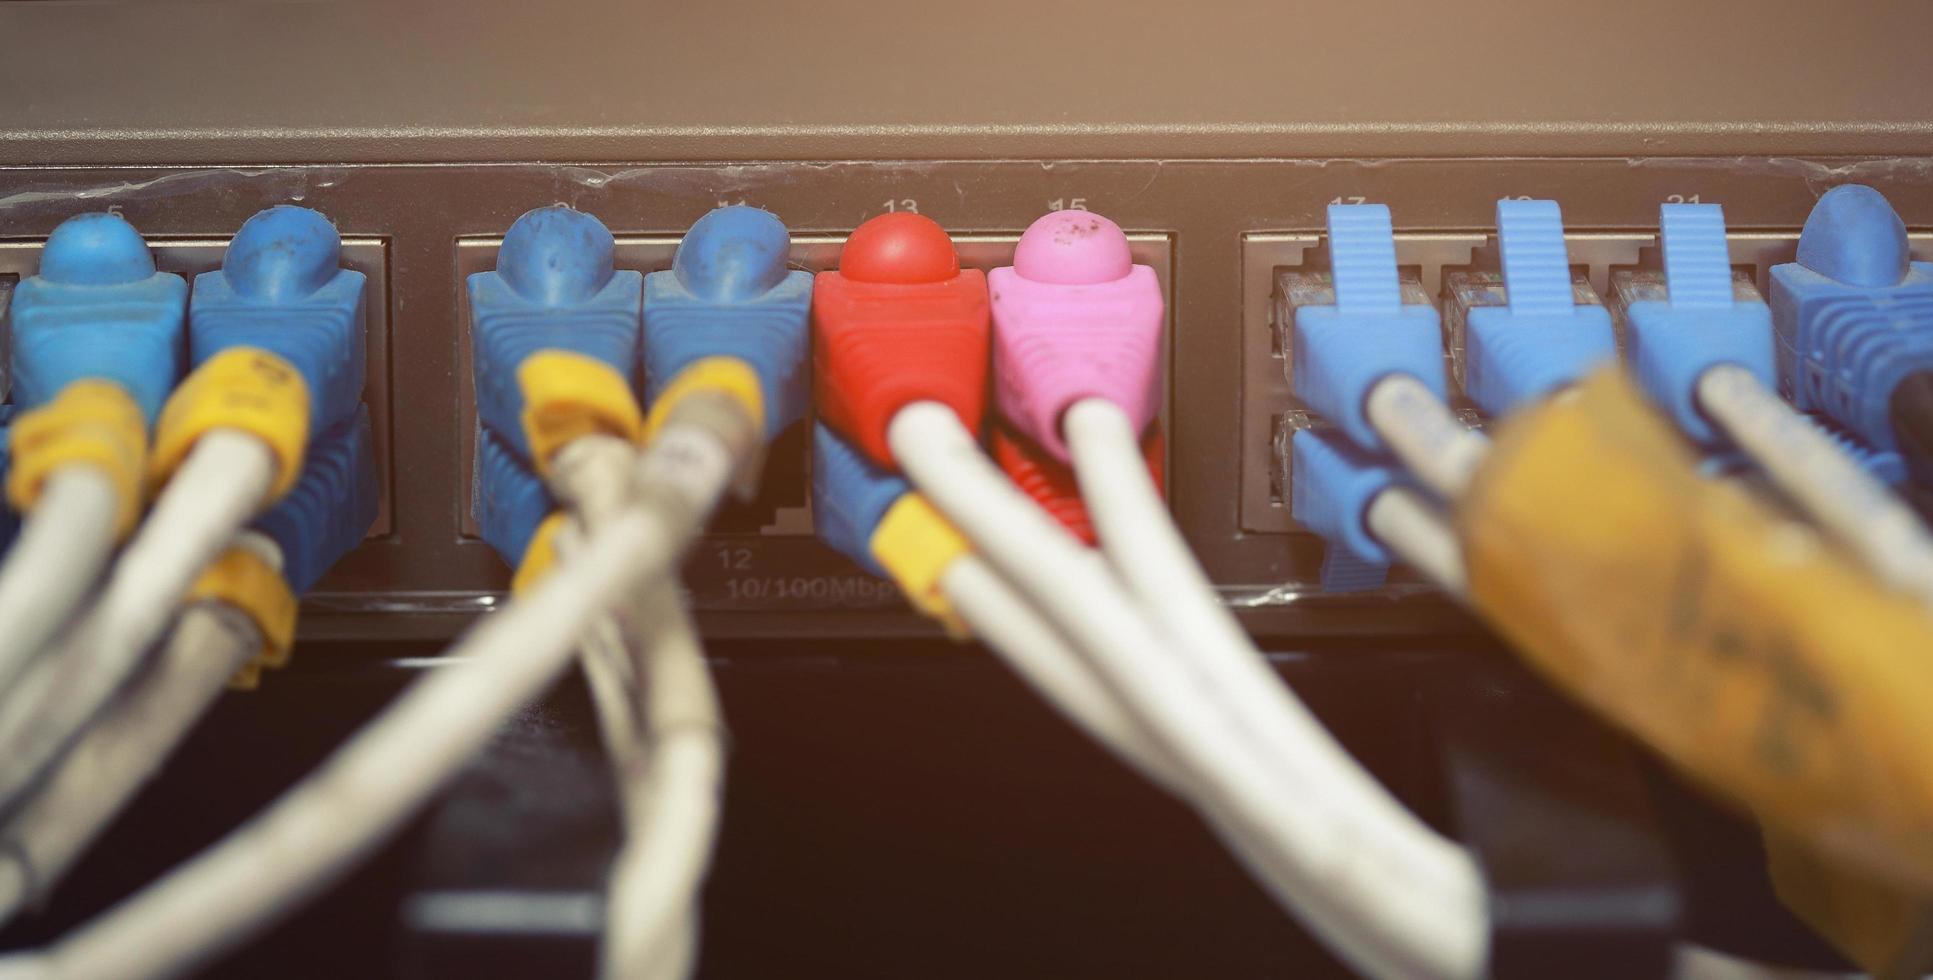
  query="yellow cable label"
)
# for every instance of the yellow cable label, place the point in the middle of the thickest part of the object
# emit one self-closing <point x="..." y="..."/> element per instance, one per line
<point x="726" y="376"/>
<point x="540" y="556"/>
<point x="243" y="388"/>
<point x="1732" y="640"/>
<point x="242" y="580"/>
<point x="916" y="544"/>
<point x="1884" y="929"/>
<point x="91" y="422"/>
<point x="248" y="678"/>
<point x="567" y="395"/>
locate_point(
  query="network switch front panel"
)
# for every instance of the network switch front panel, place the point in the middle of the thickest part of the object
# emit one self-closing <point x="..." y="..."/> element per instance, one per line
<point x="1219" y="232"/>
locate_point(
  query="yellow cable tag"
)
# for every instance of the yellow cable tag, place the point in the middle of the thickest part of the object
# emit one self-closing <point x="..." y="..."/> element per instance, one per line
<point x="726" y="376"/>
<point x="916" y="544"/>
<point x="567" y="395"/>
<point x="540" y="555"/>
<point x="1887" y="931"/>
<point x="244" y="388"/>
<point x="241" y="579"/>
<point x="91" y="422"/>
<point x="248" y="678"/>
<point x="1734" y="641"/>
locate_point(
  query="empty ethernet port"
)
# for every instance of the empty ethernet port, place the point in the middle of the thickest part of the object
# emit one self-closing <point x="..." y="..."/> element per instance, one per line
<point x="780" y="507"/>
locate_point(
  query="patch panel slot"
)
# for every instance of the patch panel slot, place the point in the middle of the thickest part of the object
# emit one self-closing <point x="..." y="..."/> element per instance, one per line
<point x="781" y="508"/>
<point x="1425" y="258"/>
<point x="192" y="256"/>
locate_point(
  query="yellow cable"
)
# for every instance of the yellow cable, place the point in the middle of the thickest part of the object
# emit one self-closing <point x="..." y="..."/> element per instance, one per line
<point x="540" y="555"/>
<point x="1763" y="662"/>
<point x="91" y="422"/>
<point x="726" y="376"/>
<point x="1886" y="929"/>
<point x="241" y="579"/>
<point x="243" y="388"/>
<point x="915" y="545"/>
<point x="568" y="395"/>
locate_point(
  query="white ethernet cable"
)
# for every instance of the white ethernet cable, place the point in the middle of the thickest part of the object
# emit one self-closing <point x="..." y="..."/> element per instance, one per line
<point x="1708" y="358"/>
<point x="1148" y="555"/>
<point x="661" y="722"/>
<point x="671" y="803"/>
<point x="217" y="489"/>
<point x="1805" y="463"/>
<point x="324" y="825"/>
<point x="1422" y="431"/>
<point x="1802" y="461"/>
<point x="123" y="750"/>
<point x="1419" y="533"/>
<point x="64" y="543"/>
<point x="1122" y="501"/>
<point x="1409" y="906"/>
<point x="612" y="678"/>
<point x="591" y="476"/>
<point x="1012" y="628"/>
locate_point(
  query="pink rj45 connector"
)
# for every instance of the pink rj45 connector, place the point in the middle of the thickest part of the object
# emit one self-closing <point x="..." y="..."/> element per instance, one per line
<point x="1074" y="318"/>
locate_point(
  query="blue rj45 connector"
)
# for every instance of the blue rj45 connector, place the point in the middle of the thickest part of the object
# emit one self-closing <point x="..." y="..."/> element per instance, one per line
<point x="556" y="287"/>
<point x="1341" y="351"/>
<point x="1884" y="465"/>
<point x="331" y="508"/>
<point x="98" y="309"/>
<point x="1543" y="339"/>
<point x="510" y="499"/>
<point x="850" y="497"/>
<point x="728" y="293"/>
<point x="1333" y="482"/>
<point x="282" y="288"/>
<point x="1698" y="324"/>
<point x="1854" y="315"/>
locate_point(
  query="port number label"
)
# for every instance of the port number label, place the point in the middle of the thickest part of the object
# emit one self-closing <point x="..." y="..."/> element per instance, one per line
<point x="735" y="559"/>
<point x="902" y="204"/>
<point x="1681" y="199"/>
<point x="1349" y="199"/>
<point x="1067" y="204"/>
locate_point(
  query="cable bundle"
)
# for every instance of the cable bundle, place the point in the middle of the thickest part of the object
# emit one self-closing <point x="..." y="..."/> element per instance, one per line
<point x="632" y="513"/>
<point x="1131" y="642"/>
<point x="266" y="434"/>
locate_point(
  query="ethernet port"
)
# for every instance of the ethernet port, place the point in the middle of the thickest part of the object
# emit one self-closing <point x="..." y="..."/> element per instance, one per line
<point x="1644" y="280"/>
<point x="1481" y="284"/>
<point x="1311" y="285"/>
<point x="781" y="505"/>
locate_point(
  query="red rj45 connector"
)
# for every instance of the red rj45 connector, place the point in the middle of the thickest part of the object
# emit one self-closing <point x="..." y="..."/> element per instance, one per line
<point x="899" y="322"/>
<point x="1052" y="483"/>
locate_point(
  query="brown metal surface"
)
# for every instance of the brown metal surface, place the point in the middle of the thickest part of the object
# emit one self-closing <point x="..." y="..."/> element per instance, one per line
<point x="607" y="80"/>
